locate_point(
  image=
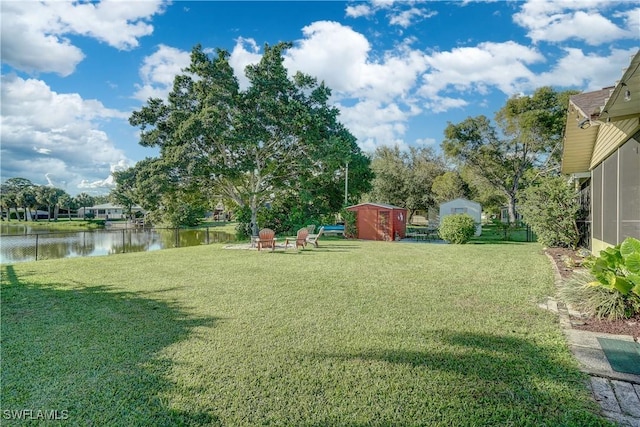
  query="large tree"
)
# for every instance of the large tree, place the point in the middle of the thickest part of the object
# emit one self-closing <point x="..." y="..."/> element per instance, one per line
<point x="248" y="145"/>
<point x="405" y="178"/>
<point x="450" y="185"/>
<point x="529" y="136"/>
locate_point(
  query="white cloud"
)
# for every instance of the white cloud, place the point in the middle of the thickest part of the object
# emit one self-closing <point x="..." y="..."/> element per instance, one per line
<point x="588" y="72"/>
<point x="557" y="21"/>
<point x="359" y="11"/>
<point x="109" y="182"/>
<point x="244" y="53"/>
<point x="45" y="132"/>
<point x="158" y="72"/>
<point x="408" y="17"/>
<point x="488" y="65"/>
<point x="42" y="150"/>
<point x="35" y="34"/>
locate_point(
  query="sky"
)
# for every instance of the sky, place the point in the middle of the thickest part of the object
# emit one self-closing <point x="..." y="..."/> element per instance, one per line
<point x="73" y="72"/>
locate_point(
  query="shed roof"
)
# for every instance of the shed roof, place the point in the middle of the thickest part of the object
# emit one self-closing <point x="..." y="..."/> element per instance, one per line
<point x="462" y="199"/>
<point x="380" y="205"/>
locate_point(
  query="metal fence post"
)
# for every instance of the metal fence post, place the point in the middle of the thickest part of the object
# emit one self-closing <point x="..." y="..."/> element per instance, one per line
<point x="207" y="235"/>
<point x="37" y="236"/>
<point x="123" y="242"/>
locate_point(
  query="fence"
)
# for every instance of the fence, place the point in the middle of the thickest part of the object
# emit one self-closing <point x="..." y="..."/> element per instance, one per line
<point x="65" y="244"/>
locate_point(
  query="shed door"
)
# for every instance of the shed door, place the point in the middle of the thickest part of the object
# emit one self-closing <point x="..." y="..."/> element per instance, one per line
<point x="383" y="225"/>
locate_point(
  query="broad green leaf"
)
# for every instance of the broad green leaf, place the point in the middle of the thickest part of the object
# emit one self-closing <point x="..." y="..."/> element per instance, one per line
<point x="634" y="278"/>
<point x="636" y="289"/>
<point x="622" y="285"/>
<point x="632" y="262"/>
<point x="629" y="246"/>
<point x="609" y="277"/>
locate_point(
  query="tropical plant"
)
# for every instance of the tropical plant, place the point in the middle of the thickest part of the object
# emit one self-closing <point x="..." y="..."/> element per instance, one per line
<point x="457" y="228"/>
<point x="597" y="301"/>
<point x="618" y="267"/>
<point x="617" y="278"/>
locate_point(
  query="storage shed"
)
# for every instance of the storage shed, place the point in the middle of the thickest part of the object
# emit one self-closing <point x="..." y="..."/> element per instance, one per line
<point x="460" y="206"/>
<point x="377" y="221"/>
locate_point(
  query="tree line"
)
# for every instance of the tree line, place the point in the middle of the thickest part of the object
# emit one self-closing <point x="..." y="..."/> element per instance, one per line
<point x="23" y="196"/>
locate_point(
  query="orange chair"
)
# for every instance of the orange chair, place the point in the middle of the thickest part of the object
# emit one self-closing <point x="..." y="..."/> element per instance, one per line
<point x="301" y="238"/>
<point x="266" y="239"/>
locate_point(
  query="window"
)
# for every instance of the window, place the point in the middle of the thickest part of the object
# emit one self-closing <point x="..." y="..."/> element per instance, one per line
<point x="596" y="208"/>
<point x="629" y="190"/>
<point x="615" y="191"/>
<point x="610" y="199"/>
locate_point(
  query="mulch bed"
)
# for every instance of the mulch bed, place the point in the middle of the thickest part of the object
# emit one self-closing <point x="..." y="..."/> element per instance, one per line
<point x="567" y="261"/>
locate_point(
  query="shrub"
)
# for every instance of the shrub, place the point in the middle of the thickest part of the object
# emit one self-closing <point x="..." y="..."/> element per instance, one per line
<point x="597" y="301"/>
<point x="551" y="209"/>
<point x="350" y="223"/>
<point x="458" y="228"/>
<point x="611" y="286"/>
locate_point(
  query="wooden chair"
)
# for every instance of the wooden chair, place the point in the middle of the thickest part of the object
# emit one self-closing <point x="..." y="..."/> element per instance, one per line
<point x="313" y="238"/>
<point x="266" y="239"/>
<point x="301" y="239"/>
<point x="311" y="228"/>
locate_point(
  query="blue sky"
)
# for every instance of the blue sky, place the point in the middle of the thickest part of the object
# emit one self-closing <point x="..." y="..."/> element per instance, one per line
<point x="72" y="72"/>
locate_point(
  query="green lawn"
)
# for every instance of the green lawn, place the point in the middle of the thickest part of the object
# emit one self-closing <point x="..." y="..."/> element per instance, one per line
<point x="349" y="334"/>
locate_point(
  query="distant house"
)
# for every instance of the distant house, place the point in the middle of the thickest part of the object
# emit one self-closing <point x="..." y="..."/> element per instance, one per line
<point x="504" y="215"/>
<point x="463" y="206"/>
<point x="108" y="211"/>
<point x="602" y="155"/>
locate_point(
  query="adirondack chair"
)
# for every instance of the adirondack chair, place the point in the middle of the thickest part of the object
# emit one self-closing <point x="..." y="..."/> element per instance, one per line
<point x="301" y="238"/>
<point x="313" y="238"/>
<point x="311" y="228"/>
<point x="266" y="239"/>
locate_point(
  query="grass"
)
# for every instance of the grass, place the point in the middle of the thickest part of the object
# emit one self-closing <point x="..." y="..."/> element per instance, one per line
<point x="348" y="334"/>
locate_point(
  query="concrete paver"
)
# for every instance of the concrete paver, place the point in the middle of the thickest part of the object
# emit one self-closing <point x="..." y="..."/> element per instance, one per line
<point x="603" y="392"/>
<point x="627" y="397"/>
<point x="617" y="393"/>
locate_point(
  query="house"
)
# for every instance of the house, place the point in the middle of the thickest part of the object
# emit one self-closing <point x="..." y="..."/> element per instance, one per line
<point x="378" y="221"/>
<point x="602" y="156"/>
<point x="504" y="215"/>
<point x="108" y="211"/>
<point x="462" y="206"/>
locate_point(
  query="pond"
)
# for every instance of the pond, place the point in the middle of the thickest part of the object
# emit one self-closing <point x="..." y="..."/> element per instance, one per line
<point x="24" y="243"/>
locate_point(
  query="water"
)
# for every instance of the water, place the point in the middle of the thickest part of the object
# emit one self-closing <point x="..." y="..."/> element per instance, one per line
<point x="23" y="243"/>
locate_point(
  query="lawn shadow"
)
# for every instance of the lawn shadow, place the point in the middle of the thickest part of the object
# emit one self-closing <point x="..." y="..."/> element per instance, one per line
<point x="512" y="372"/>
<point x="93" y="352"/>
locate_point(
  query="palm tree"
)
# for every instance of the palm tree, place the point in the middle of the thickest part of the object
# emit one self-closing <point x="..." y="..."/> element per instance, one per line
<point x="84" y="200"/>
<point x="66" y="201"/>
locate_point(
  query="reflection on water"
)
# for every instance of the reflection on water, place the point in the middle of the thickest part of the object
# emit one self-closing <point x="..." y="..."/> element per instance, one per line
<point x="23" y="243"/>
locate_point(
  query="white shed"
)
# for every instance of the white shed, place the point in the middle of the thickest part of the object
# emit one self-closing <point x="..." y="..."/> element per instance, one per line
<point x="459" y="206"/>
